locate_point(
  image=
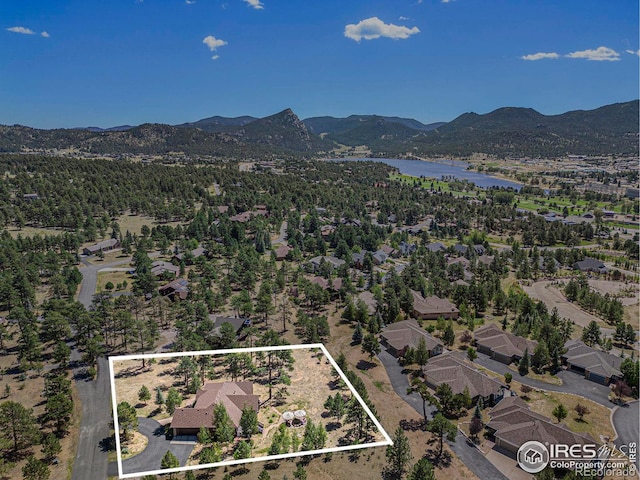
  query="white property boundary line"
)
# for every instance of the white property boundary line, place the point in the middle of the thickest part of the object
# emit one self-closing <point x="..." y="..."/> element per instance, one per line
<point x="310" y="346"/>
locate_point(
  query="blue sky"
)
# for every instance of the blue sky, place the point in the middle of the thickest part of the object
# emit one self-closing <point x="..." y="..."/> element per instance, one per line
<point x="79" y="63"/>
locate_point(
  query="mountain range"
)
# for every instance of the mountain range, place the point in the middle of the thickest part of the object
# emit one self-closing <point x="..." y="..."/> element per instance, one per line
<point x="509" y="131"/>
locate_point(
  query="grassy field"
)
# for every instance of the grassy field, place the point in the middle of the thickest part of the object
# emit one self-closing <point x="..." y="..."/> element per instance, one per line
<point x="134" y="223"/>
<point x="31" y="231"/>
<point x="115" y="278"/>
<point x="437" y="185"/>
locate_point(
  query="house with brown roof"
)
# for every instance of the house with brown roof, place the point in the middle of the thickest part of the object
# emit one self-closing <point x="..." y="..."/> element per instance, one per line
<point x="595" y="365"/>
<point x="333" y="284"/>
<point x="501" y="345"/>
<point x="399" y="336"/>
<point x="233" y="395"/>
<point x="104" y="246"/>
<point x="193" y="254"/>
<point x="282" y="252"/>
<point x="159" y="267"/>
<point x="460" y="374"/>
<point x="370" y="301"/>
<point x="512" y="424"/>
<point x="433" y="307"/>
<point x="175" y="290"/>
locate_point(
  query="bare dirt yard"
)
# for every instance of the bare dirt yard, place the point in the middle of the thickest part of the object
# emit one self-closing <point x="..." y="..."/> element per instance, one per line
<point x="553" y="298"/>
<point x="311" y="383"/>
<point x="27" y="389"/>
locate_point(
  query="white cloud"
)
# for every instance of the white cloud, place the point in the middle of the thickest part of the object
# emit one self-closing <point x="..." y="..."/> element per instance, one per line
<point x="23" y="30"/>
<point x="633" y="52"/>
<point x="214" y="43"/>
<point x="540" y="56"/>
<point x="257" y="4"/>
<point x="401" y="18"/>
<point x="189" y="2"/>
<point x="45" y="34"/>
<point x="599" y="54"/>
<point x="373" y="28"/>
<point x="446" y="1"/>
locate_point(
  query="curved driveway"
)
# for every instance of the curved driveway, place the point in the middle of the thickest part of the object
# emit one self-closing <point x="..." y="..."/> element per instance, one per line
<point x="626" y="419"/>
<point x="149" y="459"/>
<point x="470" y="456"/>
<point x="95" y="395"/>
<point x="571" y="382"/>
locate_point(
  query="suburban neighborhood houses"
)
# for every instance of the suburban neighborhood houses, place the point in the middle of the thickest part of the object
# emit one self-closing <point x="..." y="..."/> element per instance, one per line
<point x="251" y="403"/>
<point x="442" y="308"/>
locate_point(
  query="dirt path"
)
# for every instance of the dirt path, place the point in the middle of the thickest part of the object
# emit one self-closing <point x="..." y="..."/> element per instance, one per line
<point x="552" y="298"/>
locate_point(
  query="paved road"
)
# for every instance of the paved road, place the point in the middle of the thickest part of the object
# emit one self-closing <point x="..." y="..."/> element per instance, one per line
<point x="149" y="459"/>
<point x="93" y="444"/>
<point x="90" y="279"/>
<point x="571" y="382"/>
<point x="626" y="420"/>
<point x="95" y="395"/>
<point x="282" y="236"/>
<point x="470" y="456"/>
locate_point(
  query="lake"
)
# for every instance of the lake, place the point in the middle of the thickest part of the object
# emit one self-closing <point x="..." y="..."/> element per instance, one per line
<point x="419" y="168"/>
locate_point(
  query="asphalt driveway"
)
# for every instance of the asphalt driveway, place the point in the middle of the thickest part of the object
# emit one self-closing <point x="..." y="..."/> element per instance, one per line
<point x="571" y="382"/>
<point x="149" y="459"/>
<point x="626" y="419"/>
<point x="470" y="456"/>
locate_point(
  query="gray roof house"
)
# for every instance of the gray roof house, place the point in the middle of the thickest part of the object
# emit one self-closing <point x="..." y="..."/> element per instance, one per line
<point x="590" y="265"/>
<point x="501" y="345"/>
<point x="399" y="336"/>
<point x="459" y="374"/>
<point x="335" y="262"/>
<point x="595" y="365"/>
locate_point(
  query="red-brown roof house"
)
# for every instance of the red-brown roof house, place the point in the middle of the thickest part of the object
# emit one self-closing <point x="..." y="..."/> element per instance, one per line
<point x="233" y="395"/>
<point x="512" y="424"/>
<point x="178" y="289"/>
<point x="433" y="307"/>
<point x="399" y="336"/>
<point x="459" y="374"/>
<point x="500" y="345"/>
<point x="282" y="252"/>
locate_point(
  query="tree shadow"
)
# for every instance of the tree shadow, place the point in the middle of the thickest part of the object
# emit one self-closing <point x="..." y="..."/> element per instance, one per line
<point x="441" y="461"/>
<point x="412" y="425"/>
<point x="108" y="444"/>
<point x="331" y="426"/>
<point x="365" y="365"/>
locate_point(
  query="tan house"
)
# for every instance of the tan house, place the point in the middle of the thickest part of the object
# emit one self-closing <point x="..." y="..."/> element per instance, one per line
<point x="433" y="307"/>
<point x="595" y="365"/>
<point x="512" y="424"/>
<point x="398" y="337"/>
<point x="459" y="374"/>
<point x="175" y="290"/>
<point x="501" y="345"/>
<point x="282" y="252"/>
<point x="233" y="395"/>
<point x="104" y="246"/>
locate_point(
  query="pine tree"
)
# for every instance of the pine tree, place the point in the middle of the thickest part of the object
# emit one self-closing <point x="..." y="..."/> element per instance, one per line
<point x="249" y="421"/>
<point x="523" y="366"/>
<point x="357" y="336"/>
<point x="224" y="431"/>
<point x="560" y="412"/>
<point x="398" y="455"/>
<point x="144" y="395"/>
<point x="449" y="336"/>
